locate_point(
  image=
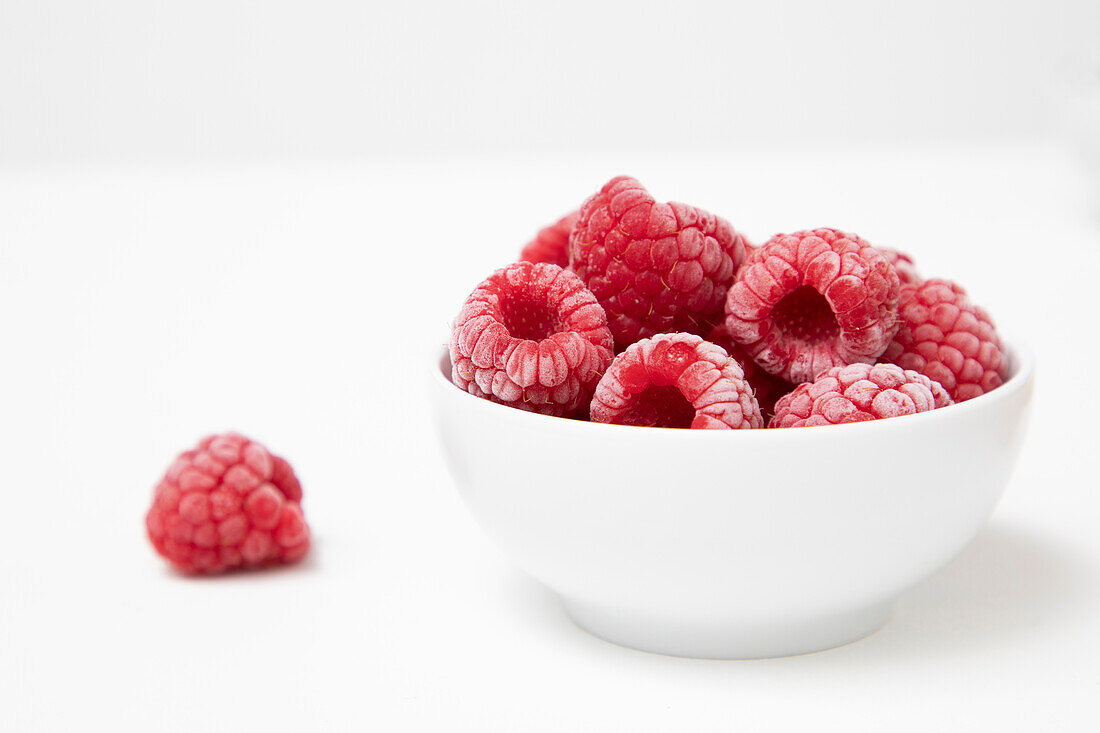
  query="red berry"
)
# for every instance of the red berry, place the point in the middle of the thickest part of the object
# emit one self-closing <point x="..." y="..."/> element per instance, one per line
<point x="947" y="338"/>
<point x="531" y="336"/>
<point x="227" y="504"/>
<point x="858" y="392"/>
<point x="654" y="267"/>
<point x="551" y="244"/>
<point x="812" y="300"/>
<point x="676" y="380"/>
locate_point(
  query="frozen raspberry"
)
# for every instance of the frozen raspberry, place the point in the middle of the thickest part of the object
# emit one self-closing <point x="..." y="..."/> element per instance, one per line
<point x="858" y="392"/>
<point x="676" y="380"/>
<point x="655" y="268"/>
<point x="227" y="504"/>
<point x="531" y="336"/>
<point x="551" y="244"/>
<point x="765" y="387"/>
<point x="903" y="264"/>
<point x="945" y="337"/>
<point x="812" y="300"/>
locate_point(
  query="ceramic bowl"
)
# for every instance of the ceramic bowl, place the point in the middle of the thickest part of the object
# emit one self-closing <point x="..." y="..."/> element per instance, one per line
<point x="732" y="544"/>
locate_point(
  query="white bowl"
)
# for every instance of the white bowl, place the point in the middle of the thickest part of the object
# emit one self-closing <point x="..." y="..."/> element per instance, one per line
<point x="732" y="544"/>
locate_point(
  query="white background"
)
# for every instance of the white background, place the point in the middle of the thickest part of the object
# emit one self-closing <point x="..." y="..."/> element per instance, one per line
<point x="335" y="78"/>
<point x="262" y="217"/>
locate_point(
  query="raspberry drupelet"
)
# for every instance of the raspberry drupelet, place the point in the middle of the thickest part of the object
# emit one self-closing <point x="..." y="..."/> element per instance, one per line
<point x="654" y="267"/>
<point x="551" y="244"/>
<point x="947" y="338"/>
<point x="858" y="392"/>
<point x="531" y="336"/>
<point x="676" y="380"/>
<point x="813" y="300"/>
<point x="228" y="503"/>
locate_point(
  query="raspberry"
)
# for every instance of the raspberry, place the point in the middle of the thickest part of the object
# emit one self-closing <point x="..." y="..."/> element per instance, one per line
<point x="551" y="244"/>
<point x="676" y="380"/>
<point x="765" y="387"/>
<point x="531" y="336"/>
<point x="858" y="392"/>
<point x="655" y="268"/>
<point x="227" y="504"/>
<point x="812" y="300"/>
<point x="947" y="338"/>
<point x="903" y="264"/>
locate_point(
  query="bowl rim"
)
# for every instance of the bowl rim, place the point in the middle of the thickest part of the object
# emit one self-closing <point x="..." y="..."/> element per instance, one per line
<point x="1021" y="361"/>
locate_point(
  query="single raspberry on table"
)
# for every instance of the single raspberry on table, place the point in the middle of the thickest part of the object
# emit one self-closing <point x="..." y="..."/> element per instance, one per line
<point x="765" y="387"/>
<point x="903" y="264"/>
<point x="676" y="380"/>
<point x="551" y="244"/>
<point x="531" y="336"/>
<point x="947" y="338"/>
<point x="228" y="503"/>
<point x="812" y="300"/>
<point x="654" y="267"/>
<point x="858" y="392"/>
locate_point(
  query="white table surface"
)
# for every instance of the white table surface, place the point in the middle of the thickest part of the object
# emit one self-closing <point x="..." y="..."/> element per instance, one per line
<point x="144" y="306"/>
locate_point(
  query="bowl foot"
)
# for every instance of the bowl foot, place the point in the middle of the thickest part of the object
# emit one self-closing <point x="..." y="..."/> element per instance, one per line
<point x="719" y="638"/>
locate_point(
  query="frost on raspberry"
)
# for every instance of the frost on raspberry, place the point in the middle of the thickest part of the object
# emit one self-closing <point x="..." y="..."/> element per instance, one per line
<point x="813" y="300"/>
<point x="949" y="339"/>
<point x="551" y="244"/>
<point x="531" y="336"/>
<point x="858" y="392"/>
<point x="227" y="504"/>
<point x="654" y="267"/>
<point x="676" y="381"/>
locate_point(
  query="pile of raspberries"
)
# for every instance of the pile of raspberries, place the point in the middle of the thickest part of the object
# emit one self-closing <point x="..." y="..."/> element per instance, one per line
<point x="637" y="312"/>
